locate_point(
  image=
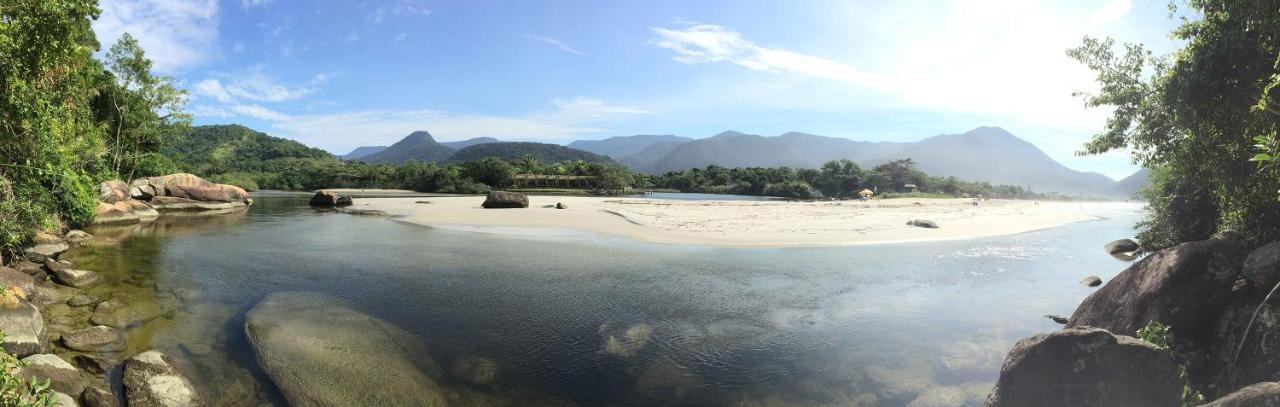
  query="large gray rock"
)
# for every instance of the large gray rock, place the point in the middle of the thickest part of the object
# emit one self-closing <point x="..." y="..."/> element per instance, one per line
<point x="45" y="246"/>
<point x="14" y="279"/>
<point x="329" y="199"/>
<point x="320" y="353"/>
<point x="76" y="277"/>
<point x="1185" y="287"/>
<point x="1262" y="267"/>
<point x="78" y="237"/>
<point x="1122" y="247"/>
<point x="150" y="380"/>
<point x="63" y="376"/>
<point x="95" y="339"/>
<point x="1087" y="367"/>
<point x="1265" y="394"/>
<point x="113" y="191"/>
<point x="923" y="223"/>
<point x="504" y="199"/>
<point x="24" y="332"/>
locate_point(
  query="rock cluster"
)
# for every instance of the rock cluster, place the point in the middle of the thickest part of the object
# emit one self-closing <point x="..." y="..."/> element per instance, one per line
<point x="143" y="199"/>
<point x="328" y="199"/>
<point x="1210" y="294"/>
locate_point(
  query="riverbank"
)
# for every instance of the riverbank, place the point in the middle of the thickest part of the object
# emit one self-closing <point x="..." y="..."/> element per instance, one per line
<point x="742" y="223"/>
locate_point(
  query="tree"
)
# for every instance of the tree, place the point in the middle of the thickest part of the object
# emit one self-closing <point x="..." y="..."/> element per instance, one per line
<point x="50" y="144"/>
<point x="1193" y="118"/>
<point x="144" y="109"/>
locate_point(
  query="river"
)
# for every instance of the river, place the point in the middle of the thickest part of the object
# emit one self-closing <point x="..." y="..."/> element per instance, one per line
<point x="594" y="320"/>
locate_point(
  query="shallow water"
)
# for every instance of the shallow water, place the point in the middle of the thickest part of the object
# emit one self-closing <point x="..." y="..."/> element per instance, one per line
<point x="593" y="320"/>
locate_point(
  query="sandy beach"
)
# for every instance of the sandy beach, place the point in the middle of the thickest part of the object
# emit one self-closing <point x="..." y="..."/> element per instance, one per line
<point x="739" y="223"/>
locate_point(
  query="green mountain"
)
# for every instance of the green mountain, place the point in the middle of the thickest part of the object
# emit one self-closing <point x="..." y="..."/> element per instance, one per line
<point x="362" y="151"/>
<point x="419" y="146"/>
<point x="235" y="148"/>
<point x="547" y="153"/>
<point x="458" y="145"/>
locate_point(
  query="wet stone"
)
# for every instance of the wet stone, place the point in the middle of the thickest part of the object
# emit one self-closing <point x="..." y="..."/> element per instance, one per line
<point x="82" y="300"/>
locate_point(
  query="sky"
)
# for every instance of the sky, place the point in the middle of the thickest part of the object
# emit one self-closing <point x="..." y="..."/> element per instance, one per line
<point x="342" y="74"/>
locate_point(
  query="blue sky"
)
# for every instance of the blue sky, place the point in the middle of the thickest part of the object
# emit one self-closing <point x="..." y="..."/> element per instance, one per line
<point x="341" y="74"/>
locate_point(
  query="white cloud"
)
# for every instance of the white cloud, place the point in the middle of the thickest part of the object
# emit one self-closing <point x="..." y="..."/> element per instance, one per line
<point x="176" y="34"/>
<point x="708" y="43"/>
<point x="405" y="8"/>
<point x="586" y="109"/>
<point x="1112" y="10"/>
<point x="556" y="43"/>
<point x="256" y="86"/>
<point x="254" y="3"/>
<point x="259" y="112"/>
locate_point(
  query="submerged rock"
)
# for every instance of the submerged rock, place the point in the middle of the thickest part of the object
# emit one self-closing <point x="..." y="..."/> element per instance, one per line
<point x="24" y="332"/>
<point x="923" y="223"/>
<point x="151" y="381"/>
<point x="82" y="300"/>
<point x="475" y="370"/>
<point x="504" y="199"/>
<point x="95" y="339"/>
<point x="46" y="246"/>
<point x="628" y="342"/>
<point x="75" y="277"/>
<point x="321" y="353"/>
<point x="98" y="397"/>
<point x="1087" y="367"/>
<point x="119" y="314"/>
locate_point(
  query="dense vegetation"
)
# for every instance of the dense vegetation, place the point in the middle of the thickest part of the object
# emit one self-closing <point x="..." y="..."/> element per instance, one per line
<point x="836" y="179"/>
<point x="512" y="151"/>
<point x="1204" y="119"/>
<point x="67" y="120"/>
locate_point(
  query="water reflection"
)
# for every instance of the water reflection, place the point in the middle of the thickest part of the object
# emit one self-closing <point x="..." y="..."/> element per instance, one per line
<point x="612" y="321"/>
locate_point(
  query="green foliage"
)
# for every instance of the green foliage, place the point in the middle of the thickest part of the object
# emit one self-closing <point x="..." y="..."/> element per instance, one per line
<point x="240" y="179"/>
<point x="141" y="111"/>
<point x="50" y="143"/>
<point x="489" y="171"/>
<point x="836" y="179"/>
<point x="516" y="151"/>
<point x="1161" y="335"/>
<point x="17" y="392"/>
<point x="1194" y="118"/>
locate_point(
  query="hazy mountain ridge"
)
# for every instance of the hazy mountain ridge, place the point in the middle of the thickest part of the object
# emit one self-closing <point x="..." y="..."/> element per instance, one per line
<point x="362" y="151"/>
<point x="511" y="151"/>
<point x="461" y="144"/>
<point x="988" y="154"/>
<point x="622" y="146"/>
<point x="419" y="146"/>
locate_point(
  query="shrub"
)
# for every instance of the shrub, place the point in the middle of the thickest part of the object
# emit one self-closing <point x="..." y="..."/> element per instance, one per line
<point x="792" y="189"/>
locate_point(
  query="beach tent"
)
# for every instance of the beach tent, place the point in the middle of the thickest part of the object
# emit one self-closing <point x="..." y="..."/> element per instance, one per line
<point x="866" y="193"/>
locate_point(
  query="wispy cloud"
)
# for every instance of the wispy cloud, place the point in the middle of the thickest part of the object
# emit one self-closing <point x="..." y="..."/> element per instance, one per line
<point x="255" y="86"/>
<point x="1112" y="10"/>
<point x="708" y="43"/>
<point x="555" y="43"/>
<point x="177" y="34"/>
<point x="404" y="8"/>
<point x="254" y="3"/>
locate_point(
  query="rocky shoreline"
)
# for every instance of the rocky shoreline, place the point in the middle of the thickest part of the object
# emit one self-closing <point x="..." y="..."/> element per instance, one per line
<point x="145" y="199"/>
<point x="1210" y="332"/>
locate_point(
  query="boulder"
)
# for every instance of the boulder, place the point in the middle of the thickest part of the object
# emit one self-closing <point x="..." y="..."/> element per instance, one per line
<point x="234" y="192"/>
<point x="93" y="364"/>
<point x="561" y="205"/>
<point x="47" y="245"/>
<point x="1265" y="394"/>
<point x="504" y="199"/>
<point x="64" y="400"/>
<point x="329" y="199"/>
<point x="118" y="314"/>
<point x="23" y="328"/>
<point x="127" y="211"/>
<point x="150" y="380"/>
<point x="321" y="353"/>
<point x="1262" y="267"/>
<point x="113" y="191"/>
<point x="64" y="377"/>
<point x="75" y="277"/>
<point x="98" y="397"/>
<point x="1122" y="247"/>
<point x="1185" y="287"/>
<point x="177" y="179"/>
<point x="22" y="284"/>
<point x="1092" y="281"/>
<point x="78" y="236"/>
<point x="206" y="194"/>
<point x="1087" y="367"/>
<point x="923" y="223"/>
<point x="95" y="339"/>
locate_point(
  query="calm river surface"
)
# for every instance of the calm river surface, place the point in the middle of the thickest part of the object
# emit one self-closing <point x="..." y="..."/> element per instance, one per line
<point x="592" y="320"/>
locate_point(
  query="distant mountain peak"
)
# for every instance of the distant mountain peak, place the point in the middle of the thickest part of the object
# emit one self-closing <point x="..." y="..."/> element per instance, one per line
<point x="732" y="133"/>
<point x="418" y="136"/>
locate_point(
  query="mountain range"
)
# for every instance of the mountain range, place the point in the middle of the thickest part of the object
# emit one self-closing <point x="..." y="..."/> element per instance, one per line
<point x="988" y="154"/>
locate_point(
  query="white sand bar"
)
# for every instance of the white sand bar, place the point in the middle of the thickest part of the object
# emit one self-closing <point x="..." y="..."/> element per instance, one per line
<point x="744" y="223"/>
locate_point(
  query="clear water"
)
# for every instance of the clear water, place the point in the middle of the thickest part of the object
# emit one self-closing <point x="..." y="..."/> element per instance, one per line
<point x="924" y="323"/>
